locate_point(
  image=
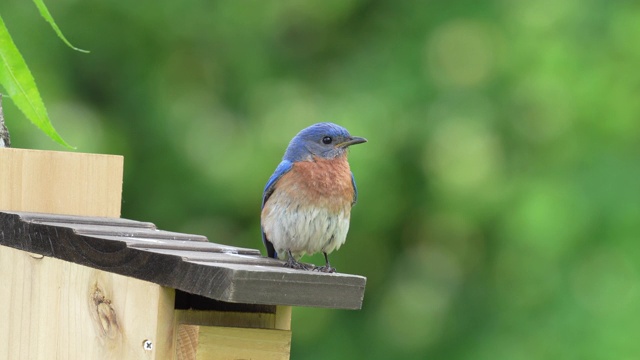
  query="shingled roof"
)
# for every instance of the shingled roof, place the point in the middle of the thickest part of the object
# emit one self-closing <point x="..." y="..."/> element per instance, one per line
<point x="189" y="263"/>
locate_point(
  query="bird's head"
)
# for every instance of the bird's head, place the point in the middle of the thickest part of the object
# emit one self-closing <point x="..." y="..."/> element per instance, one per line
<point x="323" y="140"/>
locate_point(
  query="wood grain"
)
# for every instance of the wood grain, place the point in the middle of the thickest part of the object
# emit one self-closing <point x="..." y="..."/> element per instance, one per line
<point x="60" y="182"/>
<point x="189" y="323"/>
<point x="224" y="343"/>
<point x="53" y="309"/>
<point x="187" y="342"/>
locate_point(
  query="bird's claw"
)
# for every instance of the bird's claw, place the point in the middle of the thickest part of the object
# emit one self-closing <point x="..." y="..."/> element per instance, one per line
<point x="293" y="264"/>
<point x="325" y="269"/>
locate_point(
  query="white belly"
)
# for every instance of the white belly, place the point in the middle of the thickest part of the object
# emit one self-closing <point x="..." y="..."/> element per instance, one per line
<point x="304" y="230"/>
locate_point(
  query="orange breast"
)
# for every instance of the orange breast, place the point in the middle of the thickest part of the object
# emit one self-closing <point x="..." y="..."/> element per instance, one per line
<point x="325" y="183"/>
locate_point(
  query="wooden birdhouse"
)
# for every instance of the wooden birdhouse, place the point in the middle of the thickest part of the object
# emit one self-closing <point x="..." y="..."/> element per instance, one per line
<point x="79" y="282"/>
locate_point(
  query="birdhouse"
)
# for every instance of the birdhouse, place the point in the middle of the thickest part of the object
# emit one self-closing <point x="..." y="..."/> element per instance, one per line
<point x="79" y="282"/>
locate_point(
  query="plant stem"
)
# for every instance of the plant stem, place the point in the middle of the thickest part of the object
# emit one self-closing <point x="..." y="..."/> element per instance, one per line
<point x="5" y="138"/>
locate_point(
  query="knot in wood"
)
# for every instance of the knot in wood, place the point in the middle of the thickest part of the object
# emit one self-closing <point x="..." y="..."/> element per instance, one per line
<point x="104" y="314"/>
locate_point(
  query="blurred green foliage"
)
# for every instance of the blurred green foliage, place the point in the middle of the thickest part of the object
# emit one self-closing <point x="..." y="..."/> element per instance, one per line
<point x="499" y="207"/>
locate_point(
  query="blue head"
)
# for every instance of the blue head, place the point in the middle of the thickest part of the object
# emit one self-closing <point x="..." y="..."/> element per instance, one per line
<point x="323" y="140"/>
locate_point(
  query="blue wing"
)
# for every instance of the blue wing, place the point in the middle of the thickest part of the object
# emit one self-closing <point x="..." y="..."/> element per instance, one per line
<point x="355" y="190"/>
<point x="282" y="169"/>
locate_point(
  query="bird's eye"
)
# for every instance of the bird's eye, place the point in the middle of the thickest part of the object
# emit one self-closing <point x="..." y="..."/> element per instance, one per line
<point x="327" y="140"/>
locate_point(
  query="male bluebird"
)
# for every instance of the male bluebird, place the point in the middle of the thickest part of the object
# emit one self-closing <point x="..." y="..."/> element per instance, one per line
<point x="307" y="201"/>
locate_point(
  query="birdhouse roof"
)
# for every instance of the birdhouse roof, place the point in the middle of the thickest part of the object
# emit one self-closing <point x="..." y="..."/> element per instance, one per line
<point x="186" y="262"/>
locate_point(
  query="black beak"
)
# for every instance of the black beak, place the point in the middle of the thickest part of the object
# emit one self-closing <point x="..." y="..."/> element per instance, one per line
<point x="352" y="141"/>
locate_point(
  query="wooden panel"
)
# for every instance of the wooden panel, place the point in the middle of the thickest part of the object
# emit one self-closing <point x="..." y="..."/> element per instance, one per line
<point x="53" y="309"/>
<point x="60" y="182"/>
<point x="219" y="272"/>
<point x="165" y="338"/>
<point x="282" y="286"/>
<point x="224" y="343"/>
<point x="189" y="323"/>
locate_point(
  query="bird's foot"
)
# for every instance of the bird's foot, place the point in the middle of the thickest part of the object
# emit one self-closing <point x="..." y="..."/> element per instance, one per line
<point x="294" y="264"/>
<point x="325" y="269"/>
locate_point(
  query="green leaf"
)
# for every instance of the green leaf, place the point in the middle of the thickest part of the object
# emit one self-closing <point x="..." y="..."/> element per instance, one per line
<point x="19" y="84"/>
<point x="47" y="16"/>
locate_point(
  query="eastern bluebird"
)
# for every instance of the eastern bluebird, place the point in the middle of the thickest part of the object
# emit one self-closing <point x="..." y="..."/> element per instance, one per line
<point x="307" y="201"/>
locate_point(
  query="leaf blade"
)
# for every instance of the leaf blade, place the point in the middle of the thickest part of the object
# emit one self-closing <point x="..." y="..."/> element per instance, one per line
<point x="44" y="11"/>
<point x="21" y="87"/>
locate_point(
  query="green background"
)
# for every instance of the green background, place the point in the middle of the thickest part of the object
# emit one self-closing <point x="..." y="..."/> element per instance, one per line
<point x="499" y="208"/>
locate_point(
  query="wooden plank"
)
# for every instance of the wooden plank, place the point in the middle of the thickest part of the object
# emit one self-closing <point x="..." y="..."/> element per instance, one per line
<point x="84" y="225"/>
<point x="187" y="342"/>
<point x="224" y="343"/>
<point x="60" y="182"/>
<point x="134" y="232"/>
<point x="53" y="309"/>
<point x="226" y="318"/>
<point x="211" y="256"/>
<point x="283" y="318"/>
<point x="56" y="219"/>
<point x="182" y="245"/>
<point x="165" y="336"/>
<point x="281" y="286"/>
<point x="189" y="323"/>
<point x="219" y="272"/>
